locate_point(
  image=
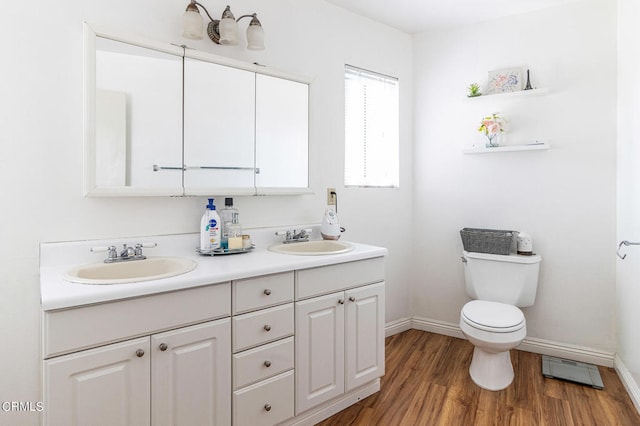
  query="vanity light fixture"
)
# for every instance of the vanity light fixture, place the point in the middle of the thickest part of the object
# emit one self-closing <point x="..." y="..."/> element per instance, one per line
<point x="223" y="31"/>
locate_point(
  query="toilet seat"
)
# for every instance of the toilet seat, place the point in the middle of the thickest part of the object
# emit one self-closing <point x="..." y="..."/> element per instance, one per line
<point x="491" y="316"/>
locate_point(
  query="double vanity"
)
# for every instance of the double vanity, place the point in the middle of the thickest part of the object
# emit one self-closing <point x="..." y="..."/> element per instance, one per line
<point x="277" y="334"/>
<point x="281" y="336"/>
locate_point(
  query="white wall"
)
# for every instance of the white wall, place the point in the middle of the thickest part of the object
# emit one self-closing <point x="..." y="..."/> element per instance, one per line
<point x="628" y="286"/>
<point x="564" y="197"/>
<point x="41" y="138"/>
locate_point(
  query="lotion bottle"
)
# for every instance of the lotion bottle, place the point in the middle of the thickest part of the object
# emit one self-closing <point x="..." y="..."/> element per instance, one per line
<point x="210" y="228"/>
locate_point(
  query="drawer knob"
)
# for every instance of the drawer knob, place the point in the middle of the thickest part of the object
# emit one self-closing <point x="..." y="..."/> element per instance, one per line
<point x="352" y="299"/>
<point x="163" y="347"/>
<point x="267" y="292"/>
<point x="139" y="353"/>
<point x="267" y="364"/>
<point x="267" y="327"/>
<point x="267" y="407"/>
<point x="341" y="302"/>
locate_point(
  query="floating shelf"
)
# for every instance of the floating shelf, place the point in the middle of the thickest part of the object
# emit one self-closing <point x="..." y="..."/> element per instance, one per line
<point x="520" y="93"/>
<point x="506" y="148"/>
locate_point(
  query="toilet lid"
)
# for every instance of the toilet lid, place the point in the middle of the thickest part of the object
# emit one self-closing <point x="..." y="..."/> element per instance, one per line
<point x="493" y="316"/>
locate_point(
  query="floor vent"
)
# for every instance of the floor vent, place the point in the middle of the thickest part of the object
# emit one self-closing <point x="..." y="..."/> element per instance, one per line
<point x="572" y="371"/>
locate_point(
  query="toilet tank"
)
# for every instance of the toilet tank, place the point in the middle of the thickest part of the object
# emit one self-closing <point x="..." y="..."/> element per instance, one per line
<point x="511" y="279"/>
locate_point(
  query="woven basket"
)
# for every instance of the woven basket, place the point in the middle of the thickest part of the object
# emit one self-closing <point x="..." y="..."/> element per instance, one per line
<point x="493" y="241"/>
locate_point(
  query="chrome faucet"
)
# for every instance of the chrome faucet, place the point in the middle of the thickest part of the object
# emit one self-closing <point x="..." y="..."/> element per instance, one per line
<point x="295" y="235"/>
<point x="127" y="253"/>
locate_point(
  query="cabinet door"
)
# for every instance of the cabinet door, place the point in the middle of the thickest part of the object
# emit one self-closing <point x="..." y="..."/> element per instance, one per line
<point x="104" y="386"/>
<point x="191" y="375"/>
<point x="364" y="335"/>
<point x="319" y="350"/>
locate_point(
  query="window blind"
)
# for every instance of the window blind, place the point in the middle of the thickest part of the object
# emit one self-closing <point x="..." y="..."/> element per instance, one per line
<point x="371" y="129"/>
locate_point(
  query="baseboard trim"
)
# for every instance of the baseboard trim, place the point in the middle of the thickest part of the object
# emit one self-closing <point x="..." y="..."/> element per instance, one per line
<point x="629" y="382"/>
<point x="539" y="346"/>
<point x="397" y="326"/>
<point x="563" y="350"/>
<point x="438" y="327"/>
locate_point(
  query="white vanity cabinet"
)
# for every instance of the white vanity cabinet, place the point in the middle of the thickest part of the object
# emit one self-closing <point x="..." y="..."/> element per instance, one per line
<point x="257" y="339"/>
<point x="179" y="376"/>
<point x="263" y="359"/>
<point x="340" y="335"/>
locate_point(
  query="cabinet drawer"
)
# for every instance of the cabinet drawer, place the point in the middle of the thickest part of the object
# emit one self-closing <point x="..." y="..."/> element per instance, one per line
<point x="88" y="326"/>
<point x="262" y="292"/>
<point x="264" y="361"/>
<point x="266" y="403"/>
<point x="328" y="279"/>
<point x="256" y="328"/>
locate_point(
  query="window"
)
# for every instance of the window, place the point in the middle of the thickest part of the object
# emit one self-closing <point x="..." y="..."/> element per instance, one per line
<point x="371" y="129"/>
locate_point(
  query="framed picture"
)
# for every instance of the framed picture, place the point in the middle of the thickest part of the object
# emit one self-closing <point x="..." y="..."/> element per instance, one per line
<point x="505" y="80"/>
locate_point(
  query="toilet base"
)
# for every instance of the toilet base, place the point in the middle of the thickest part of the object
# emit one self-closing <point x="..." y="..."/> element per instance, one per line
<point x="491" y="371"/>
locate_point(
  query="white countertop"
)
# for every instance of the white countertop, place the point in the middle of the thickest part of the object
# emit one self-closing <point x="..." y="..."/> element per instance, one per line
<point x="57" y="258"/>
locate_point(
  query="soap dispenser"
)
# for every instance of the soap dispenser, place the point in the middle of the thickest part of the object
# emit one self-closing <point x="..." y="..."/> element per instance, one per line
<point x="330" y="226"/>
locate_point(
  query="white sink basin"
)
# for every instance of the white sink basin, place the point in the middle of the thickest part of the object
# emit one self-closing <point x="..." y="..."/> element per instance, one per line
<point x="313" y="248"/>
<point x="131" y="271"/>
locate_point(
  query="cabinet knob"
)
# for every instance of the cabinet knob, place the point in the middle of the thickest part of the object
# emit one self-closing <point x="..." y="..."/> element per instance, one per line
<point x="341" y="302"/>
<point x="267" y="291"/>
<point x="267" y="364"/>
<point x="352" y="299"/>
<point x="267" y="327"/>
<point x="139" y="353"/>
<point x="163" y="347"/>
<point x="267" y="407"/>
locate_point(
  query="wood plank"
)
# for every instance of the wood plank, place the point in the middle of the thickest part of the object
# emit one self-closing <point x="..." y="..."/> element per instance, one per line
<point x="427" y="383"/>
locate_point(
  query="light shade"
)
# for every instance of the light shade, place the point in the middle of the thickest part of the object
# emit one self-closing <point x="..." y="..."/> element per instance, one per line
<point x="192" y="23"/>
<point x="228" y="28"/>
<point x="255" y="35"/>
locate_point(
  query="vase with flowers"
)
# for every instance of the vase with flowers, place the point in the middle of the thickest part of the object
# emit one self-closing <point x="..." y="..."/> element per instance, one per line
<point x="491" y="126"/>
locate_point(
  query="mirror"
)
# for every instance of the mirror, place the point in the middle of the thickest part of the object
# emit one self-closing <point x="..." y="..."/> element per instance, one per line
<point x="133" y="116"/>
<point x="219" y="127"/>
<point x="164" y="120"/>
<point x="282" y="129"/>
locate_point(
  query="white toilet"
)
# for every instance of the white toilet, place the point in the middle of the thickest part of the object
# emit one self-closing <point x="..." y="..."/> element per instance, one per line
<point x="492" y="322"/>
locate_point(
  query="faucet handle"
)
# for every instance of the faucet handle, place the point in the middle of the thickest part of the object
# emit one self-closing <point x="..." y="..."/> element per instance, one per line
<point x="113" y="253"/>
<point x="111" y="249"/>
<point x="139" y="246"/>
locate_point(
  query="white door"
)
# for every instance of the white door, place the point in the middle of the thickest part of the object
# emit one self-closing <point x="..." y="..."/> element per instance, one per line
<point x="103" y="386"/>
<point x="191" y="375"/>
<point x="319" y="350"/>
<point x="364" y="335"/>
<point x="628" y="271"/>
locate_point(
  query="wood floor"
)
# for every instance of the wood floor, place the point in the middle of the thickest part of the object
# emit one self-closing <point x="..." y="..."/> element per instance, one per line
<point x="427" y="383"/>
